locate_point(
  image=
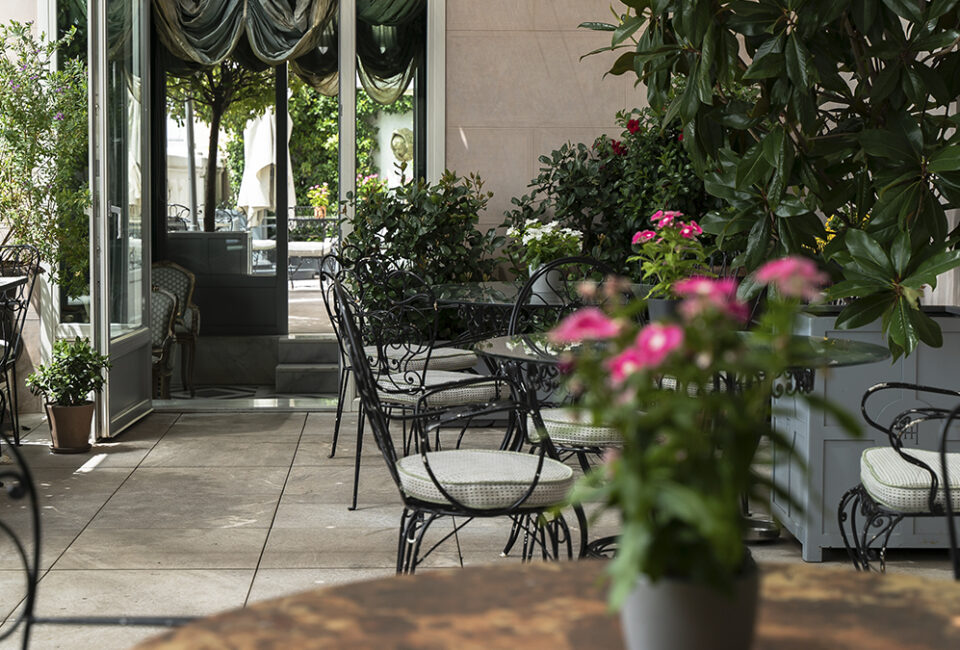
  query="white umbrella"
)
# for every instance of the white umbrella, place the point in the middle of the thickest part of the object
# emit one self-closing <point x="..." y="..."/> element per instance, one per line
<point x="257" y="194"/>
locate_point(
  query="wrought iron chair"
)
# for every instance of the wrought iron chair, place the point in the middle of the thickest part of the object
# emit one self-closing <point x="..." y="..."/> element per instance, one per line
<point x="897" y="482"/>
<point x="163" y="312"/>
<point x="377" y="282"/>
<point x="24" y="261"/>
<point x="551" y="293"/>
<point x="468" y="483"/>
<point x="19" y="489"/>
<point x="186" y="325"/>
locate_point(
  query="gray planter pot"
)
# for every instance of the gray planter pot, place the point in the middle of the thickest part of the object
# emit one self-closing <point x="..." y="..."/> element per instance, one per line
<point x="663" y="308"/>
<point x="680" y="615"/>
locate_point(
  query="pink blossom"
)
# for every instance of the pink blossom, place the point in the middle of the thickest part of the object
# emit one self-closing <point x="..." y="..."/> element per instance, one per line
<point x="702" y="294"/>
<point x="633" y="126"/>
<point x="794" y="277"/>
<point x="663" y="218"/>
<point x="589" y="323"/>
<point x="642" y="236"/>
<point x="691" y="229"/>
<point x="657" y="340"/>
<point x="625" y="364"/>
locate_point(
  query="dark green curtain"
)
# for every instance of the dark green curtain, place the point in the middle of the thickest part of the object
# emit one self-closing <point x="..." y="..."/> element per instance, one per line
<point x="260" y="33"/>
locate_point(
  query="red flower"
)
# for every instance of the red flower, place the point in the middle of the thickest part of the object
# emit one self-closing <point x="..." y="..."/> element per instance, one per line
<point x="633" y="126"/>
<point x="680" y="138"/>
<point x="618" y="148"/>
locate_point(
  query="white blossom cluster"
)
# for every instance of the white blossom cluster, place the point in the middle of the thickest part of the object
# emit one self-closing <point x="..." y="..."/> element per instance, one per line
<point x="534" y="231"/>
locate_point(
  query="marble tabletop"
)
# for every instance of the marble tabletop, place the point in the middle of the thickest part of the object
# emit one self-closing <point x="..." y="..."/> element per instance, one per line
<point x="563" y="605"/>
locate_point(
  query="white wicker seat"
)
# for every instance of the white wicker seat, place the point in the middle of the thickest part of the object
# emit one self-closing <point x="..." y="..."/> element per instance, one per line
<point x="903" y="487"/>
<point x="390" y="389"/>
<point x="570" y="427"/>
<point x="440" y="358"/>
<point x="485" y="479"/>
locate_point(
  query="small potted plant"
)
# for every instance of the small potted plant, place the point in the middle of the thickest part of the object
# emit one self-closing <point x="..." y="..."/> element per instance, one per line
<point x="692" y="400"/>
<point x="74" y="371"/>
<point x="669" y="251"/>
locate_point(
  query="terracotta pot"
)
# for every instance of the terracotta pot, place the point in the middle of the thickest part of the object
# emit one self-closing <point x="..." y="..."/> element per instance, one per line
<point x="70" y="427"/>
<point x="680" y="615"/>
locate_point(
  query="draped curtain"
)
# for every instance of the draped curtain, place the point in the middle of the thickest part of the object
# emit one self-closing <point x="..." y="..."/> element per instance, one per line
<point x="261" y="33"/>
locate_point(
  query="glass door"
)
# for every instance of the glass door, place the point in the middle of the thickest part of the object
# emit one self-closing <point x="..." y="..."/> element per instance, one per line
<point x="120" y="233"/>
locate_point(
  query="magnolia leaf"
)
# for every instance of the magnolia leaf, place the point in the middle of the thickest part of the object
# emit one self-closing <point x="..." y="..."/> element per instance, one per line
<point x="900" y="253"/>
<point x="865" y="249"/>
<point x="945" y="160"/>
<point x="926" y="328"/>
<point x="800" y="67"/>
<point x="928" y="271"/>
<point x="865" y="310"/>
<point x="856" y="287"/>
<point x="752" y="168"/>
<point x="597" y="27"/>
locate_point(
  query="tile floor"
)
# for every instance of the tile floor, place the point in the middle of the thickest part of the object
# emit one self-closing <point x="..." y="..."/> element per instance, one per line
<point x="188" y="514"/>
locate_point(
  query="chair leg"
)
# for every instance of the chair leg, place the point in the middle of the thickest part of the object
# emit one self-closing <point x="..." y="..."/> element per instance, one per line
<point x="10" y="393"/>
<point x="878" y="524"/>
<point x="356" y="466"/>
<point x="188" y="351"/>
<point x="341" y="395"/>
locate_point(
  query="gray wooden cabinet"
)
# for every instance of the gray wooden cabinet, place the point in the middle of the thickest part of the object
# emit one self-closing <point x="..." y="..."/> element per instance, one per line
<point x="832" y="458"/>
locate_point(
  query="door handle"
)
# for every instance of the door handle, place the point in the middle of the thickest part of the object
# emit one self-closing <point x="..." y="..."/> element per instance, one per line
<point x="116" y="211"/>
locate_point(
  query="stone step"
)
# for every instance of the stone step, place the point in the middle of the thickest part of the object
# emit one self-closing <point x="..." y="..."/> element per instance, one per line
<point x="307" y="378"/>
<point x="299" y="348"/>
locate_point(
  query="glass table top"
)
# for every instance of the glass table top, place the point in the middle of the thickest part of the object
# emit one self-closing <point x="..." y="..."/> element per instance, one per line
<point x="491" y="293"/>
<point x="817" y="352"/>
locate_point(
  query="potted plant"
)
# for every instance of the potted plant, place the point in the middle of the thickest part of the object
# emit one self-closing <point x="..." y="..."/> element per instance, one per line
<point x="682" y="576"/>
<point x="668" y="252"/>
<point x="74" y="371"/>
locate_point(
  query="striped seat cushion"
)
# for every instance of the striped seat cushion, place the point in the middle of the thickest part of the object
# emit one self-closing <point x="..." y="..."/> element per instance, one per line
<point x="405" y="389"/>
<point x="902" y="486"/>
<point x="440" y="358"/>
<point x="567" y="426"/>
<point x="485" y="479"/>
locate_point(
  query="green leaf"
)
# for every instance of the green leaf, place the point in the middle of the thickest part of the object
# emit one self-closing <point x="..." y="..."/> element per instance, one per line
<point x="855" y="287"/>
<point x="624" y="63"/>
<point x="885" y="143"/>
<point x="768" y="61"/>
<point x="597" y="27"/>
<point x="900" y="327"/>
<point x="791" y="206"/>
<point x="905" y="9"/>
<point x="865" y="310"/>
<point x="627" y="28"/>
<point x="900" y="253"/>
<point x="926" y="328"/>
<point x="928" y="271"/>
<point x="865" y="249"/>
<point x="945" y="160"/>
<point x="752" y="168"/>
<point x="800" y="67"/>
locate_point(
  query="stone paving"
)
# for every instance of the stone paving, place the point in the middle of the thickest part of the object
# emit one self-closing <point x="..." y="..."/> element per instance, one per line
<point x="189" y="514"/>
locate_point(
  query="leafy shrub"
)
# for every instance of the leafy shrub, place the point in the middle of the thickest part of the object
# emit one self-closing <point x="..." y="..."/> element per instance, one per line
<point x="433" y="226"/>
<point x="608" y="190"/>
<point x="74" y="371"/>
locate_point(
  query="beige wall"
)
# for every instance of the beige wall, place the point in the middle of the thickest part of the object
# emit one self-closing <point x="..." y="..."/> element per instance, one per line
<point x="19" y="10"/>
<point x="516" y="88"/>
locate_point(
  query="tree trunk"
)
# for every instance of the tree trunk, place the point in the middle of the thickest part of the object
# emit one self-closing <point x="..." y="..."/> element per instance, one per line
<point x="210" y="184"/>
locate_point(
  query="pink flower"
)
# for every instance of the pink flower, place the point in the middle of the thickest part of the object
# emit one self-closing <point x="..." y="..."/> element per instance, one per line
<point x="657" y="340"/>
<point x="703" y="294"/>
<point x="662" y="218"/>
<point x="643" y="236"/>
<point x="633" y="126"/>
<point x="589" y="323"/>
<point x="625" y="364"/>
<point x="794" y="277"/>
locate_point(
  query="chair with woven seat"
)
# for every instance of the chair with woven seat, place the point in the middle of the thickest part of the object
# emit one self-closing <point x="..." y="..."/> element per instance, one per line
<point x="569" y="429"/>
<point x="163" y="312"/>
<point x="19" y="260"/>
<point x="899" y="482"/>
<point x="467" y="483"/>
<point x="186" y="325"/>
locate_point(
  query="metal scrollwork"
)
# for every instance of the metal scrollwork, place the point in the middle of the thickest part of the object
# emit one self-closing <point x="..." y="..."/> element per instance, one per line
<point x="795" y="381"/>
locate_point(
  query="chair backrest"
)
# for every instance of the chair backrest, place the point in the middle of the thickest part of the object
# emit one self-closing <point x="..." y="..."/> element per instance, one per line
<point x="553" y="291"/>
<point x="174" y="278"/>
<point x="18" y="260"/>
<point x="163" y="310"/>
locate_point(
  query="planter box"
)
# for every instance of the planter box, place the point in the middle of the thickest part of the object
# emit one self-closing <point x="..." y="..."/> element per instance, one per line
<point x="833" y="458"/>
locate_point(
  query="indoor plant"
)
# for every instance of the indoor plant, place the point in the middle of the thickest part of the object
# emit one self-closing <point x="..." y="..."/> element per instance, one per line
<point x="688" y="454"/>
<point x="74" y="371"/>
<point x="855" y="115"/>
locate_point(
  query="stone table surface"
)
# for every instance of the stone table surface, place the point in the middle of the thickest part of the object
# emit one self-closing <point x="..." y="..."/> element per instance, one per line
<point x="562" y="605"/>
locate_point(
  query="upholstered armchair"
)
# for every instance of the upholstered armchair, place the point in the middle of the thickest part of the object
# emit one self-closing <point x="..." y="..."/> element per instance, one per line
<point x="163" y="312"/>
<point x="186" y="325"/>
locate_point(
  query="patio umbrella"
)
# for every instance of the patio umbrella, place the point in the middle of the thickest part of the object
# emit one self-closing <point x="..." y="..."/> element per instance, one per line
<point x="257" y="188"/>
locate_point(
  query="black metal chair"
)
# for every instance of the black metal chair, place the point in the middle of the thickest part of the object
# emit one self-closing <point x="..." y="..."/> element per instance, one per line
<point x="19" y="260"/>
<point x="898" y="482"/>
<point x="467" y="483"/>
<point x="375" y="283"/>
<point x="19" y="489"/>
<point x="186" y="324"/>
<point x="553" y="292"/>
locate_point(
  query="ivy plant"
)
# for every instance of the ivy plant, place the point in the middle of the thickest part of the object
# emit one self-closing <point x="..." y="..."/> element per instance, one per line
<point x="855" y="115"/>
